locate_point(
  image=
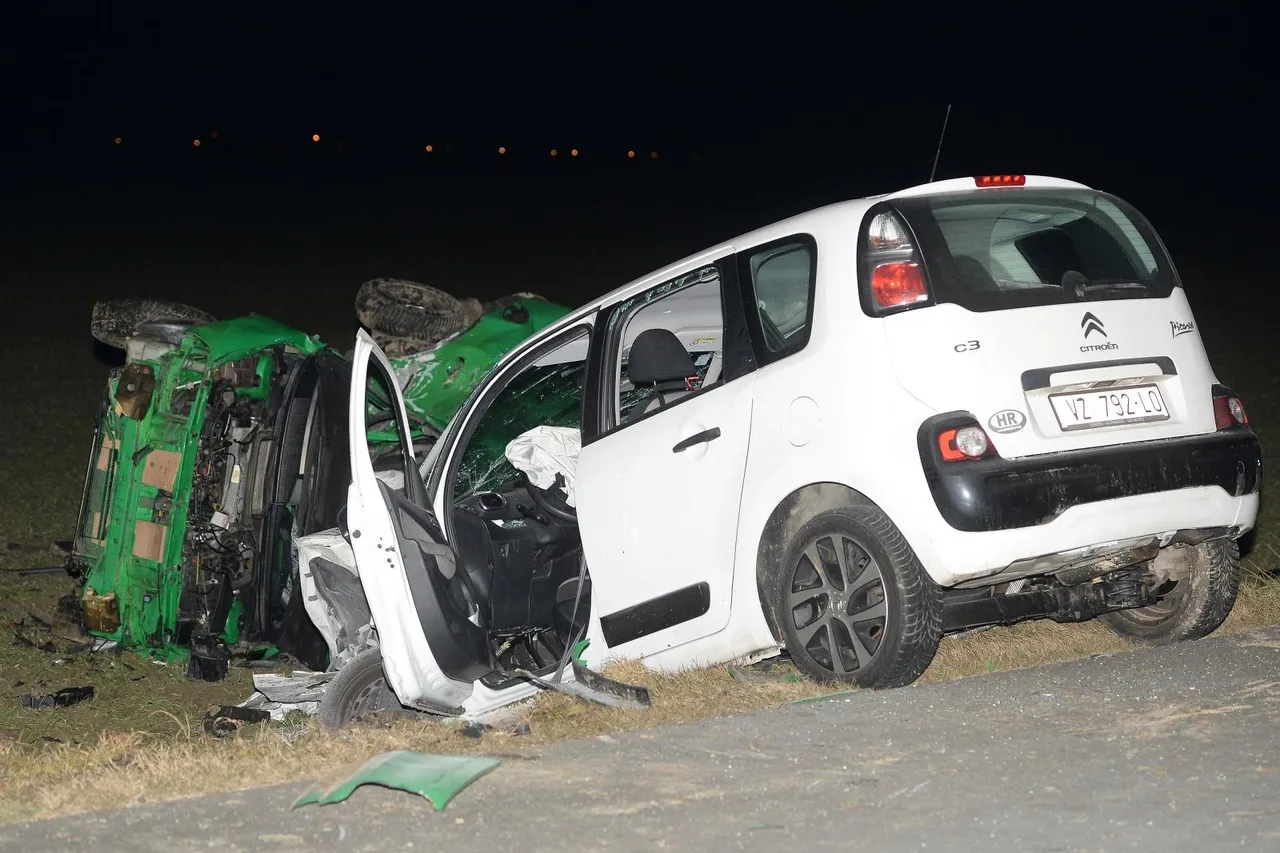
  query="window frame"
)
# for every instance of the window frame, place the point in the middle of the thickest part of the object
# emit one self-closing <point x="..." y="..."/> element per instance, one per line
<point x="444" y="474"/>
<point x="737" y="349"/>
<point x="763" y="354"/>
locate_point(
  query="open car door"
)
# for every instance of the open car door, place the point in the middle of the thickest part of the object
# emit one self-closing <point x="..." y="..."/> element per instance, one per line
<point x="432" y="650"/>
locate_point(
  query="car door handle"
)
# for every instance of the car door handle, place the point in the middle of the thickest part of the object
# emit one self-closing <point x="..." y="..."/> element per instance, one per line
<point x="697" y="438"/>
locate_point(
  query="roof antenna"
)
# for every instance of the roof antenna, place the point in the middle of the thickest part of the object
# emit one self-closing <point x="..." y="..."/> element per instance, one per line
<point x="938" y="153"/>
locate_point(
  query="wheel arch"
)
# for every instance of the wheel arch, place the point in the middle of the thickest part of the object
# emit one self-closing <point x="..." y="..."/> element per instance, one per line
<point x="791" y="513"/>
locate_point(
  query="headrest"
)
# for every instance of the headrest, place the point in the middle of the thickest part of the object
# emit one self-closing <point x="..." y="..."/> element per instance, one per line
<point x="658" y="356"/>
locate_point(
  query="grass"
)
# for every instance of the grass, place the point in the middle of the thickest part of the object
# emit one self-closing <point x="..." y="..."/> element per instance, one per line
<point x="157" y="751"/>
<point x="140" y="738"/>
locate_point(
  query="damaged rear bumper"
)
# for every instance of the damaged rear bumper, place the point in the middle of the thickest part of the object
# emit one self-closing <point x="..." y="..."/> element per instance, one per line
<point x="1007" y="494"/>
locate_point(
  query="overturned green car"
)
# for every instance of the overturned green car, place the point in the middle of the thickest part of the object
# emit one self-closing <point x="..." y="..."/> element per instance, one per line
<point x="218" y="442"/>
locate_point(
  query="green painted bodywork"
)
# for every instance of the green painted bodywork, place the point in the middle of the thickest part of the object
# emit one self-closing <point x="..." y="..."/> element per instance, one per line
<point x="438" y="778"/>
<point x="129" y="545"/>
<point x="435" y="383"/>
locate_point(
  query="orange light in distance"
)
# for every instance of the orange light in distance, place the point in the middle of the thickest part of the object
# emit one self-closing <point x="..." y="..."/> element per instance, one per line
<point x="502" y="149"/>
<point x="196" y="143"/>
<point x="573" y="153"/>
<point x="554" y="152"/>
<point x="119" y="140"/>
<point x="315" y="137"/>
<point x="631" y="155"/>
<point x="429" y="148"/>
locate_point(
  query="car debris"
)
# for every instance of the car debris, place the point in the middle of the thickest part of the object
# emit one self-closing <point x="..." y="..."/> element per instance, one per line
<point x="63" y="698"/>
<point x="225" y="720"/>
<point x="437" y="778"/>
<point x="278" y="694"/>
<point x="217" y="442"/>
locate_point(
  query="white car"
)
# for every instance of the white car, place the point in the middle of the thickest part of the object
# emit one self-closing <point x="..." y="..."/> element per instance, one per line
<point x="966" y="403"/>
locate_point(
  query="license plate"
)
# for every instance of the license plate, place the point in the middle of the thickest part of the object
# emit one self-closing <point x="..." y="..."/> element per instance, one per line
<point x="1107" y="407"/>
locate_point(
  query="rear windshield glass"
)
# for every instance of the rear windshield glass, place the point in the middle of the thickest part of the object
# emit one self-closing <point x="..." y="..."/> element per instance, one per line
<point x="991" y="249"/>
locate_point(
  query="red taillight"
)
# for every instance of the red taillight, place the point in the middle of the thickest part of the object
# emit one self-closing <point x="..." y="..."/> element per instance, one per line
<point x="967" y="442"/>
<point x="900" y="283"/>
<point x="1229" y="412"/>
<point x="1000" y="180"/>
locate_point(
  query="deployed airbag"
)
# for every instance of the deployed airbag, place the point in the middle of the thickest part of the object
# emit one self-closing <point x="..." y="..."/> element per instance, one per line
<point x="546" y="451"/>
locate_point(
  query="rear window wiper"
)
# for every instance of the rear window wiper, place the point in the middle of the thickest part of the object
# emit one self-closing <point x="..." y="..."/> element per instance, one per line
<point x="1117" y="284"/>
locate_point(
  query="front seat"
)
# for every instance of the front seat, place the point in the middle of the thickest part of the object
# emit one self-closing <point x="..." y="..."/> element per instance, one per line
<point x="659" y="360"/>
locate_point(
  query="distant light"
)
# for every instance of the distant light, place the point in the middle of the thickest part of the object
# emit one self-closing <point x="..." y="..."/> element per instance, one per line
<point x="119" y="140"/>
<point x="195" y="142"/>
<point x="430" y="148"/>
<point x="315" y="137"/>
<point x="502" y="149"/>
<point x="631" y="155"/>
<point x="653" y="155"/>
<point x="554" y="152"/>
<point x="213" y="135"/>
<point x="573" y="153"/>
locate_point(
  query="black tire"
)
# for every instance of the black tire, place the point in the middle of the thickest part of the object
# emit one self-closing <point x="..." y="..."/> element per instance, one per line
<point x="399" y="308"/>
<point x="1194" y="606"/>
<point x="114" y="321"/>
<point x="359" y="688"/>
<point x="879" y="573"/>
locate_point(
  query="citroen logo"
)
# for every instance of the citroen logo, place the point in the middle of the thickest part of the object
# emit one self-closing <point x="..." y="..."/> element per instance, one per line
<point x="1090" y="323"/>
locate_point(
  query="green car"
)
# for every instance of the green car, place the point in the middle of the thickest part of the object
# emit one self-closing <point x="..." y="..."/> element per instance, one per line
<point x="216" y="444"/>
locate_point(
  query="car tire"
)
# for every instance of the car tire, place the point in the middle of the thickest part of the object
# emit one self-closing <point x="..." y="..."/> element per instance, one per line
<point x="359" y="688"/>
<point x="403" y="309"/>
<point x="1195" y="606"/>
<point x="114" y="321"/>
<point x="879" y="574"/>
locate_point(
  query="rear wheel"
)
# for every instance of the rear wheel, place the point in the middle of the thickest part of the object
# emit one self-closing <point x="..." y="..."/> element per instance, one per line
<point x="114" y="321"/>
<point x="413" y="314"/>
<point x="360" y="688"/>
<point x="1201" y="589"/>
<point x="852" y="602"/>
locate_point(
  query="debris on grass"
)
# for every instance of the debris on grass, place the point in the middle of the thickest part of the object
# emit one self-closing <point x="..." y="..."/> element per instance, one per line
<point x="594" y="687"/>
<point x="280" y="694"/>
<point x="225" y="720"/>
<point x="438" y="778"/>
<point x="63" y="698"/>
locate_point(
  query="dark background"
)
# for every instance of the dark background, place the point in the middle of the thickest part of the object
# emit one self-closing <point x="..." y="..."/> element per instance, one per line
<point x="756" y="112"/>
<point x="787" y="106"/>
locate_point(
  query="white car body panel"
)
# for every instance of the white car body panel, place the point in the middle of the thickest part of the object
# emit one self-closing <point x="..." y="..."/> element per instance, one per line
<point x="637" y="547"/>
<point x="407" y="659"/>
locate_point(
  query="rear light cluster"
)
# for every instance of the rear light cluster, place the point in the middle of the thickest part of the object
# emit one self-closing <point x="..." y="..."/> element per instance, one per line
<point x="958" y="444"/>
<point x="897" y="278"/>
<point x="1228" y="411"/>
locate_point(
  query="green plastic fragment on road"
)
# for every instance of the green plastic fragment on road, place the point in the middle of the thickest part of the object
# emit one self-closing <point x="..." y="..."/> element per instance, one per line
<point x="438" y="778"/>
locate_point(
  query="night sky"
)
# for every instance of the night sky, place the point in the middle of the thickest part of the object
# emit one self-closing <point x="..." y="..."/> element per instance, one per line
<point x="756" y="112"/>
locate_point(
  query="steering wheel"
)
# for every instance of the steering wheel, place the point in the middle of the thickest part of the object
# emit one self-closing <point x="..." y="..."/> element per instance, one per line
<point x="551" y="504"/>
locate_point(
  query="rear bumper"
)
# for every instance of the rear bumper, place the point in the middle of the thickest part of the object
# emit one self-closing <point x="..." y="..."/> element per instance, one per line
<point x="1008" y="494"/>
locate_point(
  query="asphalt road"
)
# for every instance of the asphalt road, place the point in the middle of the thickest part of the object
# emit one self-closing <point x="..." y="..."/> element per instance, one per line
<point x="1169" y="749"/>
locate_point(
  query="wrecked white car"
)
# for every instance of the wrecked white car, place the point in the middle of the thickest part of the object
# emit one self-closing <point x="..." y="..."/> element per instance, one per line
<point x="841" y="435"/>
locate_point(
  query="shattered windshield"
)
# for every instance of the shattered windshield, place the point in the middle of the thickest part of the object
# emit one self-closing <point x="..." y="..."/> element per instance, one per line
<point x="549" y="395"/>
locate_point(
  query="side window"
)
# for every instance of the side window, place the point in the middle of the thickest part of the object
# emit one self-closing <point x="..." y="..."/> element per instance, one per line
<point x="671" y="345"/>
<point x="780" y="278"/>
<point x="545" y="393"/>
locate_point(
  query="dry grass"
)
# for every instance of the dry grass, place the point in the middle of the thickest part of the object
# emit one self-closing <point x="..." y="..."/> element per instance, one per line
<point x="174" y="759"/>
